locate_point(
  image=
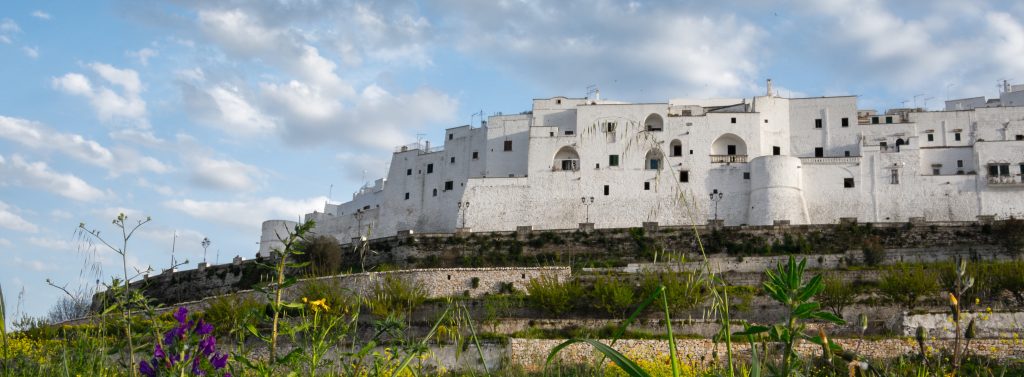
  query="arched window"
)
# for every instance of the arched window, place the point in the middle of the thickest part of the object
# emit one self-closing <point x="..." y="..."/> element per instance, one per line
<point x="435" y="192"/>
<point x="654" y="123"/>
<point x="566" y="159"/>
<point x="654" y="160"/>
<point x="729" y="148"/>
<point x="675" y="148"/>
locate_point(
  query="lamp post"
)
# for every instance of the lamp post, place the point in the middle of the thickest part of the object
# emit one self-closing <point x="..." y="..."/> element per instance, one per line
<point x="464" y="207"/>
<point x="359" y="222"/>
<point x="206" y="244"/>
<point x="587" y="201"/>
<point x="715" y="198"/>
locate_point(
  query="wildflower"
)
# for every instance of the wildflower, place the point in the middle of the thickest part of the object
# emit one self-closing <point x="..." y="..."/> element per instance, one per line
<point x="952" y="300"/>
<point x="146" y="369"/>
<point x="181" y="314"/>
<point x="977" y="301"/>
<point x="203" y="328"/>
<point x="317" y="305"/>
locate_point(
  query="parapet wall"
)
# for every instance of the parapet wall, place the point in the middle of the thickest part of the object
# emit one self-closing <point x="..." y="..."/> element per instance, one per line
<point x="445" y="282"/>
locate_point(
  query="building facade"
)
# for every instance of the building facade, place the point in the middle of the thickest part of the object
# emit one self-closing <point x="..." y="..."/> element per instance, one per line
<point x="745" y="161"/>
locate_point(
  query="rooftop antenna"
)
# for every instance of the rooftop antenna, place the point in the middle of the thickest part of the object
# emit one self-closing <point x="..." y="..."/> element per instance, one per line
<point x="174" y="242"/>
<point x="926" y="102"/>
<point x="592" y="89"/>
<point x="478" y="113"/>
<point x="915" y="99"/>
<point x="330" y="193"/>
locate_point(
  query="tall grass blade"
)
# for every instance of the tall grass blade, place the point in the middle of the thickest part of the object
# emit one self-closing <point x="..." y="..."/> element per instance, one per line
<point x="3" y="331"/>
<point x="408" y="358"/>
<point x="636" y="313"/>
<point x="476" y="340"/>
<point x="619" y="359"/>
<point x="671" y="339"/>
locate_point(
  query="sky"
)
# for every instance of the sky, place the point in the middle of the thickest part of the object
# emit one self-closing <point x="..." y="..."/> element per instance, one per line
<point x="209" y="117"/>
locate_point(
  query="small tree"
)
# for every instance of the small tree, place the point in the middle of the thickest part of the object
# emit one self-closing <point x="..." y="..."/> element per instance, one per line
<point x="904" y="285"/>
<point x="873" y="251"/>
<point x="324" y="255"/>
<point x="837" y="294"/>
<point x="555" y="297"/>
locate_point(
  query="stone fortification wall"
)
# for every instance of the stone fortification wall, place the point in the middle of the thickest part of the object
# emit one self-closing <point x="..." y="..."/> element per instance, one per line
<point x="532" y="353"/>
<point x="443" y="282"/>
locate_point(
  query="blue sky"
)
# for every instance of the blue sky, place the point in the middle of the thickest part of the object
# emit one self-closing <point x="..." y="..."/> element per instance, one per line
<point x="212" y="116"/>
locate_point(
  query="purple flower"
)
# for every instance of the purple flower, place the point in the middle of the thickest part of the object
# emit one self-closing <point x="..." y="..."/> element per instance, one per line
<point x="195" y="368"/>
<point x="181" y="315"/>
<point x="146" y="369"/>
<point x="219" y="361"/>
<point x="174" y="359"/>
<point x="174" y="334"/>
<point x="203" y="328"/>
<point x="227" y="374"/>
<point x="158" y="352"/>
<point x="208" y="345"/>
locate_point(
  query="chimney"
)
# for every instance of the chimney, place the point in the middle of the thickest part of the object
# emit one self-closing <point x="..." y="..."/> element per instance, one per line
<point x="769" y="87"/>
<point x="597" y="94"/>
<point x="1006" y="86"/>
<point x="426" y="146"/>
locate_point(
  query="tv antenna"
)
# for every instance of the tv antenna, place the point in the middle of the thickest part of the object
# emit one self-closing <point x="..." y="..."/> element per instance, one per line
<point x="478" y="113"/>
<point x="591" y="89"/>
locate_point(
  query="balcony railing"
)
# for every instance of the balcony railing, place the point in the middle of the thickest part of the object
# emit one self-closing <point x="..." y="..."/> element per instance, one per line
<point x="829" y="160"/>
<point x="1006" y="180"/>
<point x="728" y="158"/>
<point x="566" y="165"/>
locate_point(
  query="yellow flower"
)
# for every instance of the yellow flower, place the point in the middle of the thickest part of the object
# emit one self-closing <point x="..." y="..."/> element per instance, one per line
<point x="977" y="301"/>
<point x="952" y="300"/>
<point x="318" y="305"/>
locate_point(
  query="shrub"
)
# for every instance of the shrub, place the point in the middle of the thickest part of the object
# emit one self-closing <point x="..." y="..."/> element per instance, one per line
<point x="873" y="251"/>
<point x="837" y="294"/>
<point x="230" y="314"/>
<point x="324" y="255"/>
<point x="611" y="295"/>
<point x="684" y="290"/>
<point x="553" y="296"/>
<point x="339" y="300"/>
<point x="394" y="297"/>
<point x="1011" y="234"/>
<point x="904" y="285"/>
<point x="474" y="282"/>
<point x="1009" y="277"/>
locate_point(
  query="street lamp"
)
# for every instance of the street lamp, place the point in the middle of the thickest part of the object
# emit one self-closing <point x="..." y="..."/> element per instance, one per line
<point x="715" y="198"/>
<point x="359" y="219"/>
<point x="587" y="201"/>
<point x="464" y="207"/>
<point x="206" y="244"/>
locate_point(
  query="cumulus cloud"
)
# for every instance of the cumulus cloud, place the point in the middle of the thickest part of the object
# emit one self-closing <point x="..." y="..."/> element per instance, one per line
<point x="38" y="175"/>
<point x="117" y="161"/>
<point x="8" y="26"/>
<point x="143" y="55"/>
<point x="247" y="214"/>
<point x="52" y="243"/>
<point x="31" y="52"/>
<point x="12" y="221"/>
<point x="41" y="15"/>
<point x="109" y="104"/>
<point x="224" y="174"/>
<point x="227" y="108"/>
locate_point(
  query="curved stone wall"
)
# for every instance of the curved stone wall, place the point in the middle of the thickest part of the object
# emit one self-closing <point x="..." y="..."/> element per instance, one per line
<point x="776" y="190"/>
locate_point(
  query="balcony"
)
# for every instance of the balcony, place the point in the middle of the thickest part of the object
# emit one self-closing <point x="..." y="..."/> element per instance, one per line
<point x="1006" y="181"/>
<point x="566" y="165"/>
<point x="728" y="159"/>
<point x="829" y="160"/>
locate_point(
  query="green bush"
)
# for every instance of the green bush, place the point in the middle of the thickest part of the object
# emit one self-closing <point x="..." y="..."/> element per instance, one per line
<point x="684" y="290"/>
<point x="1011" y="234"/>
<point x="339" y="300"/>
<point x="553" y="296"/>
<point x="837" y="294"/>
<point x="1009" y="277"/>
<point x="611" y="295"/>
<point x="230" y="314"/>
<point x="873" y="251"/>
<point x="394" y="297"/>
<point x="905" y="285"/>
<point x="324" y="255"/>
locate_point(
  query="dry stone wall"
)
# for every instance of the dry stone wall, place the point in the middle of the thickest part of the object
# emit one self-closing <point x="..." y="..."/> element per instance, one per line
<point x="445" y="282"/>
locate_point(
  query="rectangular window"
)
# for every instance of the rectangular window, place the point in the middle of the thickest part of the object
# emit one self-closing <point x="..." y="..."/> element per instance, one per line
<point x="931" y="137"/>
<point x="874" y="120"/>
<point x="956" y="136"/>
<point x="453" y="160"/>
<point x="476" y="155"/>
<point x="819" y="152"/>
<point x="730" y="150"/>
<point x="936" y="171"/>
<point x="508" y="145"/>
<point x="406" y="196"/>
<point x="569" y="132"/>
<point x="888" y="120"/>
<point x="846" y="122"/>
<point x="448" y="185"/>
<point x="817" y="123"/>
<point x="746" y="175"/>
<point x="776" y="151"/>
<point x="607" y="190"/>
<point x="613" y="160"/>
<point x="733" y="120"/>
<point x="450" y="136"/>
<point x="430" y="168"/>
<point x="677" y="150"/>
<point x="894" y="178"/>
<point x="691" y="151"/>
<point x="408" y="171"/>
<point x="609" y="127"/>
<point x="993" y="170"/>
<point x="647" y="186"/>
<point x="959" y="163"/>
<point x="1020" y="137"/>
<point x="1004" y="170"/>
<point x="846" y="153"/>
<point x="654" y="164"/>
<point x="848" y="182"/>
<point x="684" y="176"/>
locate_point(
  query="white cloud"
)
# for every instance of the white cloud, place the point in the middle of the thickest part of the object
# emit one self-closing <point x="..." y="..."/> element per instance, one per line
<point x="50" y="243"/>
<point x="39" y="175"/>
<point x="118" y="161"/>
<point x="31" y="52"/>
<point x="248" y="214"/>
<point x="61" y="214"/>
<point x="224" y="174"/>
<point x="143" y="55"/>
<point x="237" y="113"/>
<point x="41" y="15"/>
<point x="12" y="221"/>
<point x="8" y="26"/>
<point x="5" y="39"/>
<point x="160" y="189"/>
<point x="5" y="242"/>
<point x="108" y="103"/>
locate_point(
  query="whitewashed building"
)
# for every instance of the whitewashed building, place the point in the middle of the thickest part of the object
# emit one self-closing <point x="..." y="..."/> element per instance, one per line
<point x="741" y="161"/>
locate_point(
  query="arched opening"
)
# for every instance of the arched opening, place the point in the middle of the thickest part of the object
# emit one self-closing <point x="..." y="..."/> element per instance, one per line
<point x="653" y="160"/>
<point x="566" y="159"/>
<point x="900" y="142"/>
<point x="728" y="148"/>
<point x="654" y="123"/>
<point x="675" y="148"/>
